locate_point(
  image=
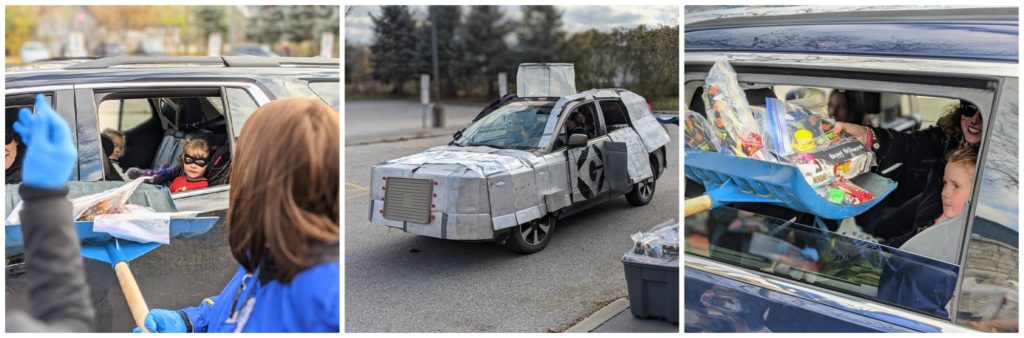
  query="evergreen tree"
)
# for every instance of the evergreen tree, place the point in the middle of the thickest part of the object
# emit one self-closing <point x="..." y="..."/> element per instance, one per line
<point x="483" y="50"/>
<point x="540" y="37"/>
<point x="394" y="46"/>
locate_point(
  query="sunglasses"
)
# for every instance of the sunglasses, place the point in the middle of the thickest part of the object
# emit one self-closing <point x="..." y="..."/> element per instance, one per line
<point x="968" y="110"/>
<point x="195" y="160"/>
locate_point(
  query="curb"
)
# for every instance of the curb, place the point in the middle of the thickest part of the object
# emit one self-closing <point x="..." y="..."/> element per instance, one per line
<point x="595" y="320"/>
<point x="412" y="135"/>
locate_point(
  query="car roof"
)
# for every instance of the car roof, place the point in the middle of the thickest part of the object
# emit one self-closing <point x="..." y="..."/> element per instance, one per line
<point x="945" y="33"/>
<point x="130" y="68"/>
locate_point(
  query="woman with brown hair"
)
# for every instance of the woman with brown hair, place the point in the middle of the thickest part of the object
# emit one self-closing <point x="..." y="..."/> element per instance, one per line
<point x="961" y="125"/>
<point x="282" y="228"/>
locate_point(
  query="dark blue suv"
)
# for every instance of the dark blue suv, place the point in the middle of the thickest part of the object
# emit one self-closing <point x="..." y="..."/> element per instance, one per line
<point x="892" y="68"/>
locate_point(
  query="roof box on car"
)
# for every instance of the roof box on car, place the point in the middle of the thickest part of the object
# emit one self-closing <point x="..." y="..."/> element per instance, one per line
<point x="545" y="80"/>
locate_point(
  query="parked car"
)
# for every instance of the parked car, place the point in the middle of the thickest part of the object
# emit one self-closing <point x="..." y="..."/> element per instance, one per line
<point x="525" y="161"/>
<point x="108" y="49"/>
<point x="150" y="48"/>
<point x="908" y="64"/>
<point x="157" y="102"/>
<point x="33" y="51"/>
<point x="250" y="50"/>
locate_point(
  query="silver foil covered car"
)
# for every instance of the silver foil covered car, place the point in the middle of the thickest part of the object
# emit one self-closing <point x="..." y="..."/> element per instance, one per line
<point x="523" y="163"/>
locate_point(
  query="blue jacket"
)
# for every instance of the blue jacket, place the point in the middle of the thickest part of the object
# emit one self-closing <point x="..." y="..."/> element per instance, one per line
<point x="308" y="304"/>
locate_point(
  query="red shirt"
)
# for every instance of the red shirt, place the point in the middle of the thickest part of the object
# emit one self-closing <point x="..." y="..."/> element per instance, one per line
<point x="183" y="184"/>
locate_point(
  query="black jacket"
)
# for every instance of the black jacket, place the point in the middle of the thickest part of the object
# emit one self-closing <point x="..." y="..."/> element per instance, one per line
<point x="57" y="289"/>
<point x="927" y="147"/>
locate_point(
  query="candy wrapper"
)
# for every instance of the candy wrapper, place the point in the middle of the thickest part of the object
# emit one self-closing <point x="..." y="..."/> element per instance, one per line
<point x="730" y="114"/>
<point x="699" y="133"/>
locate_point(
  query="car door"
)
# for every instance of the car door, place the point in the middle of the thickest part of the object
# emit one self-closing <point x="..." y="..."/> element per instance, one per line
<point x="587" y="163"/>
<point x="203" y="262"/>
<point x="853" y="288"/>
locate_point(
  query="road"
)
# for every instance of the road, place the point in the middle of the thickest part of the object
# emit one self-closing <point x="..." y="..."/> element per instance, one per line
<point x="398" y="282"/>
<point x="380" y="118"/>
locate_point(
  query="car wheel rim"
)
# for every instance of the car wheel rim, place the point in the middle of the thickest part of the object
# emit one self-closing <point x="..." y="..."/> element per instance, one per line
<point x="646" y="189"/>
<point x="534" y="232"/>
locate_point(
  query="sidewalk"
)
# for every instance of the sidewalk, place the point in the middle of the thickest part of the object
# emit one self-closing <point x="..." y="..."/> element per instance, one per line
<point x="374" y="121"/>
<point x="616" y="317"/>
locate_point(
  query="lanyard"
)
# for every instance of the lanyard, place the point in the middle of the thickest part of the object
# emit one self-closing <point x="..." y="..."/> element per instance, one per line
<point x="240" y="311"/>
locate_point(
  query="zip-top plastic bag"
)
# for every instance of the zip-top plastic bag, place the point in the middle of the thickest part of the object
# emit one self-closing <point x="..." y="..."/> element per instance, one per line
<point x="135" y="223"/>
<point x="699" y="134"/>
<point x="87" y="207"/>
<point x="730" y="113"/>
<point x="658" y="246"/>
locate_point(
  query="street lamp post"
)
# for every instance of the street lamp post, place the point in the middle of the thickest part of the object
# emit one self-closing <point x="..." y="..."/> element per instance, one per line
<point x="438" y="108"/>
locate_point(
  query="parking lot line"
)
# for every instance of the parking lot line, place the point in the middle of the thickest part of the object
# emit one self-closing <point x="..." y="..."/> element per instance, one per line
<point x="353" y="190"/>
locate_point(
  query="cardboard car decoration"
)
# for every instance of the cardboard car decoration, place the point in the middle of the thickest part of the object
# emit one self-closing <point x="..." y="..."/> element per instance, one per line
<point x="517" y="163"/>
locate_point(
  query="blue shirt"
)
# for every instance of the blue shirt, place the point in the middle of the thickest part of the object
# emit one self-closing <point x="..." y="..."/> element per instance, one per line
<point x="308" y="304"/>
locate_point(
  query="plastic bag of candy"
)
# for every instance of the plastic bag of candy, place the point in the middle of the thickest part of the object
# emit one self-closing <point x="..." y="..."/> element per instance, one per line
<point x="698" y="133"/>
<point x="730" y="114"/>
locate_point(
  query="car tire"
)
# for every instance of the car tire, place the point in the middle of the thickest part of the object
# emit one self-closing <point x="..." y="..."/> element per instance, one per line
<point x="643" y="191"/>
<point x="531" y="236"/>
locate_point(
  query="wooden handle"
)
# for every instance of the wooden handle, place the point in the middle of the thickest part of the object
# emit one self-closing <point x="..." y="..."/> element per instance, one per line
<point x="696" y="204"/>
<point x="132" y="294"/>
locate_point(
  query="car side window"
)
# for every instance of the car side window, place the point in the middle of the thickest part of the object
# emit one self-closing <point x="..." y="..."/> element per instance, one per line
<point x="328" y="91"/>
<point x="614" y="113"/>
<point x="581" y="119"/>
<point x="876" y="255"/>
<point x="185" y="121"/>
<point x="240" y="106"/>
<point x="989" y="289"/>
<point x="124" y="114"/>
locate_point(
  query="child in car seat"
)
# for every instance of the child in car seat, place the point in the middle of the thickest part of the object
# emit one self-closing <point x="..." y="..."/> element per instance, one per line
<point x="957" y="181"/>
<point x="118" y="140"/>
<point x="194" y="158"/>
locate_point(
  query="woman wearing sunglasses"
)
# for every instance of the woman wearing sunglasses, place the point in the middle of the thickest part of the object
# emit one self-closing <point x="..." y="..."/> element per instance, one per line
<point x="13" y="153"/>
<point x="961" y="125"/>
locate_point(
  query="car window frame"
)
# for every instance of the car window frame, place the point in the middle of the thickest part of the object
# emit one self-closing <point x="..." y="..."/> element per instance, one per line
<point x="257" y="94"/>
<point x="779" y="75"/>
<point x="976" y="196"/>
<point x="564" y="115"/>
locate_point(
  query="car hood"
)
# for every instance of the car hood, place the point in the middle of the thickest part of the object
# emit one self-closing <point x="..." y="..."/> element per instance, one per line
<point x="484" y="161"/>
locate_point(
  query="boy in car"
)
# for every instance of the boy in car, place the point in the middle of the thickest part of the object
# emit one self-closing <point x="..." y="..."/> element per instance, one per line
<point x="193" y="159"/>
<point x="928" y="286"/>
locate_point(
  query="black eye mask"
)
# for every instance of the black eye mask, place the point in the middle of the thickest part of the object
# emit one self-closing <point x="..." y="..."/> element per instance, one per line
<point x="195" y="160"/>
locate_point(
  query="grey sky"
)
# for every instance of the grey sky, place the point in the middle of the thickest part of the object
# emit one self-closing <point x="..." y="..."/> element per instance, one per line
<point x="359" y="27"/>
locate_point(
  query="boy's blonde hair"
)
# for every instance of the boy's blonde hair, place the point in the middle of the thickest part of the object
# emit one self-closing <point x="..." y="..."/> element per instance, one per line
<point x="967" y="155"/>
<point x="194" y="144"/>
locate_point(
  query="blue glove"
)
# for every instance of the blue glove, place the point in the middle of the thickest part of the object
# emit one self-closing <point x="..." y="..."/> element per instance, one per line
<point x="163" y="321"/>
<point x="50" y="154"/>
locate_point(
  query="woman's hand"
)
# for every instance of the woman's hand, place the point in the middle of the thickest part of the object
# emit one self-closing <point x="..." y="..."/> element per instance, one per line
<point x="163" y="321"/>
<point x="50" y="154"/>
<point x="855" y="130"/>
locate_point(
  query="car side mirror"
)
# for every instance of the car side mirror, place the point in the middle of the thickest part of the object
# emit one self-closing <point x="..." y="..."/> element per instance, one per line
<point x="577" y="140"/>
